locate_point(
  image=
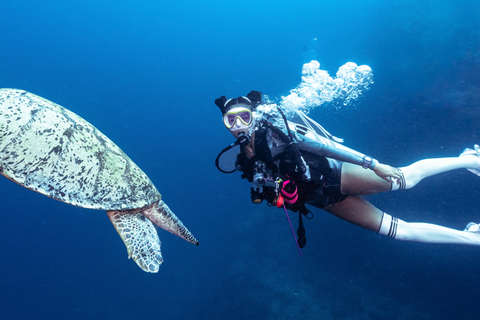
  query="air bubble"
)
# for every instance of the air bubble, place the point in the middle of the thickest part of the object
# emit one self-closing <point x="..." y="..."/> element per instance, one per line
<point x="318" y="87"/>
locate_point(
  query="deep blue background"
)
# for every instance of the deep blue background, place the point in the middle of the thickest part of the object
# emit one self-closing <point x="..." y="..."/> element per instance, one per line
<point x="146" y="74"/>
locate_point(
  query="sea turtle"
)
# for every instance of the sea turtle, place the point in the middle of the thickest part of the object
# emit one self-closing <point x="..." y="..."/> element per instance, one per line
<point x="51" y="150"/>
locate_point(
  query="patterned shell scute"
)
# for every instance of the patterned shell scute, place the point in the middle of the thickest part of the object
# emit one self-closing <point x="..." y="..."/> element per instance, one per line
<point x="51" y="150"/>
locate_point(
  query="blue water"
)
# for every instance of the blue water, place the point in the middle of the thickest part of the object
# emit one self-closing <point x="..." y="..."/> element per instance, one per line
<point x="146" y="74"/>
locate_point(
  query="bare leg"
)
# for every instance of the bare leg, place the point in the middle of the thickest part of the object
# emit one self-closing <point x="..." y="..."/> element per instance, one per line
<point x="360" y="212"/>
<point x="415" y="172"/>
<point x="426" y="232"/>
<point x="358" y="181"/>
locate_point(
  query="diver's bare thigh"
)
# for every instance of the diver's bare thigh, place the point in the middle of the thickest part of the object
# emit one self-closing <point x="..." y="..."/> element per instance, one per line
<point x="358" y="211"/>
<point x="356" y="180"/>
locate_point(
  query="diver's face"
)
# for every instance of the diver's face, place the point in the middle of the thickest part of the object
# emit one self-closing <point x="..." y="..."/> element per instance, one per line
<point x="238" y="120"/>
<point x="238" y="128"/>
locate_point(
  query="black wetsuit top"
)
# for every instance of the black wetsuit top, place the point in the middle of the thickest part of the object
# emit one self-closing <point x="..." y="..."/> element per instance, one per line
<point x="321" y="190"/>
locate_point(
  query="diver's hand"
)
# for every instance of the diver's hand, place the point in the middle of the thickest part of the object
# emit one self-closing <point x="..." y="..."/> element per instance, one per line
<point x="387" y="173"/>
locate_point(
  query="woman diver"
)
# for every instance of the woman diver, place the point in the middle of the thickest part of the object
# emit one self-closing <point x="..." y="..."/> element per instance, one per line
<point x="289" y="167"/>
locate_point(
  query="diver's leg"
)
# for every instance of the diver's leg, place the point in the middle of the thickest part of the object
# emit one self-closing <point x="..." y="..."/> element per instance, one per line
<point x="425" y="232"/>
<point x="359" y="181"/>
<point x="356" y="180"/>
<point x="360" y="212"/>
<point x="415" y="172"/>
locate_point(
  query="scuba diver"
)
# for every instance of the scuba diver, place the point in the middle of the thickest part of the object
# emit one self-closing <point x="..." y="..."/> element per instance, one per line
<point x="291" y="166"/>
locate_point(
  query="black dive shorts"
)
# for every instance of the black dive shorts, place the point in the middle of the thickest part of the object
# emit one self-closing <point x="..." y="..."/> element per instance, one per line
<point x="331" y="186"/>
<point x="328" y="173"/>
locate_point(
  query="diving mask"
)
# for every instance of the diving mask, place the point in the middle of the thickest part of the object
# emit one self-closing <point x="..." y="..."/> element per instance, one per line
<point x="241" y="113"/>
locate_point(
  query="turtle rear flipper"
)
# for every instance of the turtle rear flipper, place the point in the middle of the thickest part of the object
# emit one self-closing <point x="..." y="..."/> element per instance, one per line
<point x="140" y="238"/>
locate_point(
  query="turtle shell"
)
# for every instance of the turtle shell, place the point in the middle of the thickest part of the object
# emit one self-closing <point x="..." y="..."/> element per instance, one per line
<point x="51" y="150"/>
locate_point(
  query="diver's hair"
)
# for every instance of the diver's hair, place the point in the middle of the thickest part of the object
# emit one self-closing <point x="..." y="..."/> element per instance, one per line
<point x="253" y="99"/>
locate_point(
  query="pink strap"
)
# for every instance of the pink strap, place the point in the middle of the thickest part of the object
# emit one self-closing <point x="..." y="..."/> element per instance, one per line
<point x="291" y="201"/>
<point x="290" y="197"/>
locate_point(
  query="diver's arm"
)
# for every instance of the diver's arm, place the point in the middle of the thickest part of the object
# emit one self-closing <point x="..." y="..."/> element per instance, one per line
<point x="325" y="147"/>
<point x="306" y="141"/>
<point x="338" y="152"/>
<point x="331" y="149"/>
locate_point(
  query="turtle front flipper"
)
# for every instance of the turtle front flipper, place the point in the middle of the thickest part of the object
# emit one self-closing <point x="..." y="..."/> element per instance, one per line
<point x="161" y="215"/>
<point x="140" y="238"/>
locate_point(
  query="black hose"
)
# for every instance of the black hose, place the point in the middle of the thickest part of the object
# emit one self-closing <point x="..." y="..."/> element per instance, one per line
<point x="302" y="167"/>
<point x="242" y="140"/>
<point x="221" y="153"/>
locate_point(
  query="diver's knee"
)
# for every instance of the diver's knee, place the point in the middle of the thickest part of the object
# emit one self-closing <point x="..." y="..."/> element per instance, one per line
<point x="415" y="173"/>
<point x="399" y="184"/>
